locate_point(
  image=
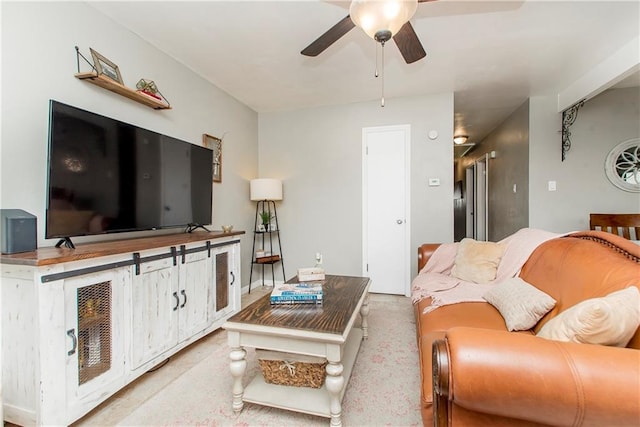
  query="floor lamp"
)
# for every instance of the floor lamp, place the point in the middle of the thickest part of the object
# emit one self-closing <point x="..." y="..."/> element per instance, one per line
<point x="265" y="191"/>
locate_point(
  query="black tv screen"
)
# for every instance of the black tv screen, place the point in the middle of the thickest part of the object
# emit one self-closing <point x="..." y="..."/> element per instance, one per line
<point x="107" y="176"/>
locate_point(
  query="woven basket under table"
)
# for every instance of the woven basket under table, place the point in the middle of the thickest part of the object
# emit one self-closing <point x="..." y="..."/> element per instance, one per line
<point x="292" y="369"/>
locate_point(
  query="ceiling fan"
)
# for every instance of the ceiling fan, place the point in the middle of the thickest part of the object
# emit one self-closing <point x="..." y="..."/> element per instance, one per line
<point x="381" y="20"/>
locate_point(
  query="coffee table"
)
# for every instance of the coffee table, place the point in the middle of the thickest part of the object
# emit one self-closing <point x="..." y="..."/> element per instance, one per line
<point x="326" y="331"/>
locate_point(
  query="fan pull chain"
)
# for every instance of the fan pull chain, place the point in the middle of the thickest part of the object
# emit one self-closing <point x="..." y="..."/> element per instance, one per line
<point x="382" y="67"/>
<point x="376" y="71"/>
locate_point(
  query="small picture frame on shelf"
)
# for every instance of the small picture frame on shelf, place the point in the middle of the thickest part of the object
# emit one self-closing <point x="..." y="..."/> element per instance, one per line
<point x="105" y="67"/>
<point x="216" y="145"/>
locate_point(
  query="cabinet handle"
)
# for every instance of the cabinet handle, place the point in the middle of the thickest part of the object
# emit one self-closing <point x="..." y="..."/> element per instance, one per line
<point x="184" y="294"/>
<point x="175" y="295"/>
<point x="72" y="334"/>
<point x="233" y="279"/>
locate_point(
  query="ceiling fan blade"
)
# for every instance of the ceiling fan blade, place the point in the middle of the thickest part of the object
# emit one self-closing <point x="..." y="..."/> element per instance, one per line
<point x="409" y="44"/>
<point x="330" y="37"/>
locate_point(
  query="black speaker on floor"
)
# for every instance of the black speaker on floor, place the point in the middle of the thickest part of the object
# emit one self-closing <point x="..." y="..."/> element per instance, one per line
<point x="18" y="230"/>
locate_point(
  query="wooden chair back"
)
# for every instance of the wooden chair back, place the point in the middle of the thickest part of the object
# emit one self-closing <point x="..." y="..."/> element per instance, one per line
<point x="624" y="225"/>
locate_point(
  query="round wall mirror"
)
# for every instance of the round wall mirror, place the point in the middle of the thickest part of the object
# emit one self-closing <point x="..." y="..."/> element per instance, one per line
<point x="622" y="165"/>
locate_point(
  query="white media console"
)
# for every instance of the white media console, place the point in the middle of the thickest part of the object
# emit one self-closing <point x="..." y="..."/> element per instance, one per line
<point x="80" y="324"/>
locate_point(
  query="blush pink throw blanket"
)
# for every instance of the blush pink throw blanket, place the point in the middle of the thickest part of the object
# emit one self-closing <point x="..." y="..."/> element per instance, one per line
<point x="435" y="281"/>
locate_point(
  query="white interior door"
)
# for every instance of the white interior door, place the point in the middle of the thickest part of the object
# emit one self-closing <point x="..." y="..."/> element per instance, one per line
<point x="470" y="201"/>
<point x="386" y="208"/>
<point x="481" y="196"/>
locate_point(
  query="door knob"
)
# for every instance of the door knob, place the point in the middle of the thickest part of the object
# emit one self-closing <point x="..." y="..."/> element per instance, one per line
<point x="399" y="221"/>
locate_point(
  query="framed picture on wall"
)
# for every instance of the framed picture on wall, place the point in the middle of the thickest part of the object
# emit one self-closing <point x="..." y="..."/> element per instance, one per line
<point x="216" y="145"/>
<point x="105" y="67"/>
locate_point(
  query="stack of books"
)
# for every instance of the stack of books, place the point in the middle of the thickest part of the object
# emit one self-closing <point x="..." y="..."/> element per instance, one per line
<point x="297" y="293"/>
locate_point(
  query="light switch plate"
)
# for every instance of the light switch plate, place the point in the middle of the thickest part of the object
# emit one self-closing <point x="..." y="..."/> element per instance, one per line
<point x="434" y="182"/>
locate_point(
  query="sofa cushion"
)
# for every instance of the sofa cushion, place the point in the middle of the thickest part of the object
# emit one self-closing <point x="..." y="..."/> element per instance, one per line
<point x="520" y="304"/>
<point x="610" y="320"/>
<point x="433" y="325"/>
<point x="471" y="314"/>
<point x="477" y="261"/>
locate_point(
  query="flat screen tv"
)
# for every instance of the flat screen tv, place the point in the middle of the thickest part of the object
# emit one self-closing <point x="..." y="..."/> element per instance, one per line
<point x="107" y="176"/>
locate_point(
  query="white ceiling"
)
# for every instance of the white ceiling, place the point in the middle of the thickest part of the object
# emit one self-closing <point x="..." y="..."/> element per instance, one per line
<point x="491" y="55"/>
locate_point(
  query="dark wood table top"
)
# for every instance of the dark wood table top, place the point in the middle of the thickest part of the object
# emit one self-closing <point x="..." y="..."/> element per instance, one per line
<point x="341" y="295"/>
<point x="53" y="255"/>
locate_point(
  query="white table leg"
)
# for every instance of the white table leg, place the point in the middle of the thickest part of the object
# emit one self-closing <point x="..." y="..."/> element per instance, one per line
<point x="238" y="366"/>
<point x="364" y="313"/>
<point x="334" y="383"/>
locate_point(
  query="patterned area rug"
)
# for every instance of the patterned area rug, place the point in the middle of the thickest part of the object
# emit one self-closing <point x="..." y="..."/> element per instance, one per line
<point x="383" y="390"/>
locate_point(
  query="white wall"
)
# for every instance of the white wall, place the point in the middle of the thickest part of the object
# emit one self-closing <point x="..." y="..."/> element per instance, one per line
<point x="38" y="63"/>
<point x="582" y="186"/>
<point x="318" y="154"/>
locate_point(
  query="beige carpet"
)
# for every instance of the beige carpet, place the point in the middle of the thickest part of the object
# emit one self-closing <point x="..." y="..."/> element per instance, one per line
<point x="383" y="389"/>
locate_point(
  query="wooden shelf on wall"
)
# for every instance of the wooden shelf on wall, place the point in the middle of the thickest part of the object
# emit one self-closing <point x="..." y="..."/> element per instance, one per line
<point x="113" y="86"/>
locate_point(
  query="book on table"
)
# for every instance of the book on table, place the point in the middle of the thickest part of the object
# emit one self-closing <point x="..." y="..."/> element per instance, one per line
<point x="312" y="300"/>
<point x="303" y="292"/>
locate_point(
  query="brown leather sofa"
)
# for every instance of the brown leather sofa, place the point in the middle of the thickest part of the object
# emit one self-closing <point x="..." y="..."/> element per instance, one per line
<point x="474" y="372"/>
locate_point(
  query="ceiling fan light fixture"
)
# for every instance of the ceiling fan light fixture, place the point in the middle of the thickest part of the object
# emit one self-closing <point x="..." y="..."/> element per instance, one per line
<point x="460" y="139"/>
<point x="382" y="17"/>
<point x="382" y="36"/>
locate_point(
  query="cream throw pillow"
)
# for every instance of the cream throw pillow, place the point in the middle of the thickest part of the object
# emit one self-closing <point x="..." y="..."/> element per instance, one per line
<point x="521" y="305"/>
<point x="610" y="320"/>
<point x="477" y="261"/>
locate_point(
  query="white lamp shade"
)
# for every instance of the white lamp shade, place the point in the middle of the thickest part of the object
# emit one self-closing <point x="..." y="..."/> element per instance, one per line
<point x="378" y="15"/>
<point x="266" y="189"/>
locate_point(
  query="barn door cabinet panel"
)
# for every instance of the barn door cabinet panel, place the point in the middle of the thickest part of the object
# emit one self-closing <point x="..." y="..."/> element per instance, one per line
<point x="177" y="300"/>
<point x="226" y="264"/>
<point x="63" y="341"/>
<point x="154" y="315"/>
<point x="78" y="328"/>
<point x="195" y="300"/>
<point x="95" y="333"/>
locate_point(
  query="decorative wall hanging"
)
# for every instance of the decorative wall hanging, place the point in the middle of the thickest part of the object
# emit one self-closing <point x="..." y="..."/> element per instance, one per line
<point x="216" y="145"/>
<point x="569" y="117"/>
<point x="622" y="165"/>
